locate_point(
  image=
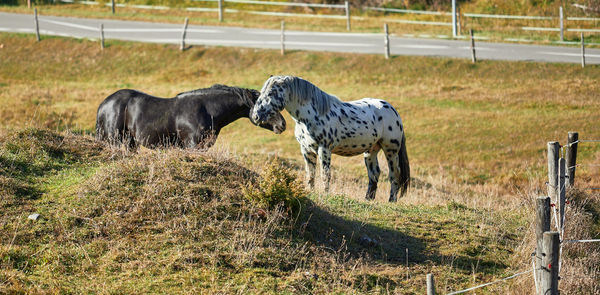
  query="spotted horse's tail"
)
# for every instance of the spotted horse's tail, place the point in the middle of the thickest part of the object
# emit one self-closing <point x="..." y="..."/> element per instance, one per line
<point x="404" y="167"/>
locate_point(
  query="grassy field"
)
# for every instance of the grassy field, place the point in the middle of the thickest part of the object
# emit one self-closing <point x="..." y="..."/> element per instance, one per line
<point x="363" y="21"/>
<point x="170" y="221"/>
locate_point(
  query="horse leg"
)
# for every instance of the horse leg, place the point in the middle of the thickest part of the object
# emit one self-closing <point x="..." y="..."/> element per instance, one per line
<point x="310" y="161"/>
<point x="373" y="171"/>
<point x="393" y="159"/>
<point x="325" y="161"/>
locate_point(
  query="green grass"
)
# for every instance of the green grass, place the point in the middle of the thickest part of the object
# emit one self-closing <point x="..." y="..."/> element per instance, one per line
<point x="492" y="118"/>
<point x="167" y="221"/>
<point x="172" y="221"/>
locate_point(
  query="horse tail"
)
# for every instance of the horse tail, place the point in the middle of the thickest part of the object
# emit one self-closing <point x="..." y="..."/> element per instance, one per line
<point x="404" y="167"/>
<point x="100" y="133"/>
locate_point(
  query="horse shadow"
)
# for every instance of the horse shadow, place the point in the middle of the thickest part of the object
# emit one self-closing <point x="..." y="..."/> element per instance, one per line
<point x="377" y="243"/>
<point x="359" y="239"/>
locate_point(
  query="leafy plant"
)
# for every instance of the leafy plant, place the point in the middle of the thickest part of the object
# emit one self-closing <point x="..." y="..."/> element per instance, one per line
<point x="278" y="186"/>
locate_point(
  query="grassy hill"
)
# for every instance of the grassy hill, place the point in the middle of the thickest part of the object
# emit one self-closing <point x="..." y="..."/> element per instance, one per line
<point x="175" y="221"/>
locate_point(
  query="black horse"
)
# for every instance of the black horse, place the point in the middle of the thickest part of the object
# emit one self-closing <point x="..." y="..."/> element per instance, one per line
<point x="190" y="119"/>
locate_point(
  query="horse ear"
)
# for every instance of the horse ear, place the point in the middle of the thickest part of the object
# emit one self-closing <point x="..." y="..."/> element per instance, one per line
<point x="271" y="76"/>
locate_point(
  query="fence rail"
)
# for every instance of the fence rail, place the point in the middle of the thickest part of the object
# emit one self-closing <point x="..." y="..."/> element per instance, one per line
<point x="456" y="23"/>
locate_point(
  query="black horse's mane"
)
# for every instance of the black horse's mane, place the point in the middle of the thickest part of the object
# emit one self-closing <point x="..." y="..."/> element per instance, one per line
<point x="248" y="96"/>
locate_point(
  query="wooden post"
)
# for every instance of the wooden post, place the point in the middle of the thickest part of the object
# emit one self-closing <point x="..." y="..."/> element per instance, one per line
<point x="542" y="225"/>
<point x="386" y="41"/>
<point x="549" y="280"/>
<point x="473" y="57"/>
<point x="562" y="27"/>
<point x="561" y="193"/>
<point x="347" y="15"/>
<point x="582" y="51"/>
<point x="112" y="6"/>
<point x="454" y="19"/>
<point x="458" y="20"/>
<point x="572" y="156"/>
<point x="29" y="4"/>
<point x="37" y="26"/>
<point x="185" y="25"/>
<point x="282" y="37"/>
<point x="220" y="10"/>
<point x="430" y="284"/>
<point x="102" y="36"/>
<point x="553" y="148"/>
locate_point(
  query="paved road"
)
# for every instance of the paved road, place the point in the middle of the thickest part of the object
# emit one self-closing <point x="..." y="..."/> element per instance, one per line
<point x="316" y="41"/>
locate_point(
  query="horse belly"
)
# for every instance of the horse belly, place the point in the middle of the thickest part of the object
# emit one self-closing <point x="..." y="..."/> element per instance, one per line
<point x="354" y="146"/>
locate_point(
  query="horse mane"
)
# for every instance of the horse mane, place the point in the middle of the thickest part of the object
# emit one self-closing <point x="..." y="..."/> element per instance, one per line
<point x="302" y="90"/>
<point x="247" y="96"/>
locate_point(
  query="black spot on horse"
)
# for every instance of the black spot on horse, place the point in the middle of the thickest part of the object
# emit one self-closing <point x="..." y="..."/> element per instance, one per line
<point x="390" y="128"/>
<point x="396" y="142"/>
<point x="380" y="118"/>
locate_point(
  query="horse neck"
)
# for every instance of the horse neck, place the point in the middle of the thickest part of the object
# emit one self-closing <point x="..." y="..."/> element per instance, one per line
<point x="231" y="110"/>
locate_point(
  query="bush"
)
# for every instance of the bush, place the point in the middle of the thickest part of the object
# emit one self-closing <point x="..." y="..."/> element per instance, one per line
<point x="278" y="186"/>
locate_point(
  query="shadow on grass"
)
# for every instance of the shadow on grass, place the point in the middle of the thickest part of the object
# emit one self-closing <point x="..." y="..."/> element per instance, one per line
<point x="382" y="245"/>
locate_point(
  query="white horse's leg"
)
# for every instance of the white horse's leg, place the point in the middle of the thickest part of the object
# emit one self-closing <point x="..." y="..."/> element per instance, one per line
<point x="394" y="169"/>
<point x="310" y="162"/>
<point x="373" y="171"/>
<point x="325" y="161"/>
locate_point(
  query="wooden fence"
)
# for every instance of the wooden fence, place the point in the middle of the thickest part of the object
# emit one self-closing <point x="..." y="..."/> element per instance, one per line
<point x="458" y="19"/>
<point x="547" y="255"/>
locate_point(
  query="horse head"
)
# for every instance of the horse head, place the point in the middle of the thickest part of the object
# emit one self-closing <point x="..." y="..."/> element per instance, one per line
<point x="275" y="122"/>
<point x="272" y="99"/>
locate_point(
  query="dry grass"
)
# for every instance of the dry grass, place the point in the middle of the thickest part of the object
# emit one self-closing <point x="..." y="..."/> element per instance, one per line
<point x="485" y="123"/>
<point x="175" y="221"/>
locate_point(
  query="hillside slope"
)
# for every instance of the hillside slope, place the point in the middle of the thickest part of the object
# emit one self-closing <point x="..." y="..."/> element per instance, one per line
<point x="175" y="221"/>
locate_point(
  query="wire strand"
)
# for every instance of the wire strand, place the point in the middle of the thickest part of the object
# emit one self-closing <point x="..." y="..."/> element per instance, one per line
<point x="494" y="282"/>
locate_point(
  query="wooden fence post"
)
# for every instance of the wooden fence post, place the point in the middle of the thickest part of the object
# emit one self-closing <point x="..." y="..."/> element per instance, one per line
<point x="102" y="36"/>
<point x="430" y="284"/>
<point x="542" y="225"/>
<point x="549" y="285"/>
<point x="37" y="26"/>
<point x="282" y="37"/>
<point x="572" y="156"/>
<point x="561" y="194"/>
<point x="386" y="41"/>
<point x="220" y="10"/>
<point x="29" y="4"/>
<point x="582" y="51"/>
<point x="553" y="148"/>
<point x="473" y="57"/>
<point x="458" y="21"/>
<point x="562" y="22"/>
<point x="112" y="6"/>
<point x="347" y="4"/>
<point x="185" y="25"/>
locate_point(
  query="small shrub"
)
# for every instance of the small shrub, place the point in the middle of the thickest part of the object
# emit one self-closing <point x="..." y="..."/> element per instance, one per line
<point x="278" y="186"/>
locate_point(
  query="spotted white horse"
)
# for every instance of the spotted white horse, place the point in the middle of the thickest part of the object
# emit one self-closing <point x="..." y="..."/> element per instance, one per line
<point x="326" y="125"/>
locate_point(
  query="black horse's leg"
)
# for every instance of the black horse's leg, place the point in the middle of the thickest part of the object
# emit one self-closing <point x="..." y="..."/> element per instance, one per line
<point x="373" y="171"/>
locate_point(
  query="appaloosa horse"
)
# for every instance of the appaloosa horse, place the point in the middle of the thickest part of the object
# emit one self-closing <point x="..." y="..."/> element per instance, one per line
<point x="190" y="119"/>
<point x="325" y="125"/>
